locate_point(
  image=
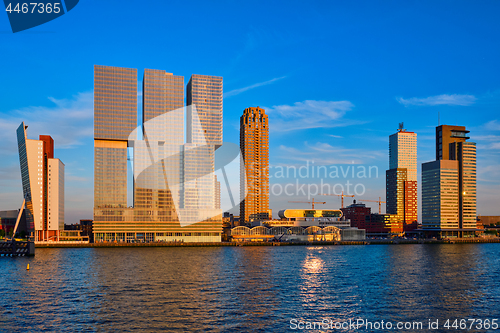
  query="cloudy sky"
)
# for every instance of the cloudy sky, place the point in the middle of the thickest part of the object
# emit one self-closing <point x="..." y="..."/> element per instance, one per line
<point x="335" y="77"/>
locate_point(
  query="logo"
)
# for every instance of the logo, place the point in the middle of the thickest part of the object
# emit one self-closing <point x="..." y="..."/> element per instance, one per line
<point x="190" y="174"/>
<point x="26" y="15"/>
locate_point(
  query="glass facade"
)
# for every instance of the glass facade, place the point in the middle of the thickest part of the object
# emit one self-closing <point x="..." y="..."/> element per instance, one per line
<point x="25" y="176"/>
<point x="401" y="178"/>
<point x="205" y="92"/>
<point x="465" y="153"/>
<point x="440" y="195"/>
<point x="453" y="213"/>
<point x="395" y="191"/>
<point x="110" y="174"/>
<point x="403" y="153"/>
<point x="43" y="186"/>
<point x="115" y="117"/>
<point x="174" y="182"/>
<point x="115" y="102"/>
<point x="158" y="158"/>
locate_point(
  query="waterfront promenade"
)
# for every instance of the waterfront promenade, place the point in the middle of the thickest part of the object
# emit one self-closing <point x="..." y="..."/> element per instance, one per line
<point x="315" y="243"/>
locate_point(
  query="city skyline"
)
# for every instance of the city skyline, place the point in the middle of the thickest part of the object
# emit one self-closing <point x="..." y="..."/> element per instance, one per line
<point x="334" y="99"/>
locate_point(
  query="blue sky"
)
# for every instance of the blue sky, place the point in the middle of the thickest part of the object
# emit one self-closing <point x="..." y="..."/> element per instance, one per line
<point x="335" y="77"/>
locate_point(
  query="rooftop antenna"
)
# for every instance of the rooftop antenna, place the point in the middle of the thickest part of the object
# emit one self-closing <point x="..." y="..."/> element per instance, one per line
<point x="401" y="127"/>
<point x="439" y="120"/>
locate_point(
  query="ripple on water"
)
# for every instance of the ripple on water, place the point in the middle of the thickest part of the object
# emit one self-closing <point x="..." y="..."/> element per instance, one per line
<point x="256" y="289"/>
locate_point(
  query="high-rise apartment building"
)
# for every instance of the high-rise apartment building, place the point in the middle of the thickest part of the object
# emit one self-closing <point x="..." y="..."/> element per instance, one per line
<point x="43" y="185"/>
<point x="401" y="178"/>
<point x="254" y="173"/>
<point x="449" y="185"/>
<point x="174" y="182"/>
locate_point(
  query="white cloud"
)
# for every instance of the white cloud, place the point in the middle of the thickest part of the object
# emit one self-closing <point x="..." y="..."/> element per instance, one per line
<point x="68" y="121"/>
<point x="336" y="136"/>
<point x="486" y="138"/>
<point x="455" y="99"/>
<point x="253" y="86"/>
<point x="309" y="114"/>
<point x="493" y="125"/>
<point x="487" y="142"/>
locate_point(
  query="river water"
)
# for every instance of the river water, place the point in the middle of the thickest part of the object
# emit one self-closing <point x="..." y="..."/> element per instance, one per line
<point x="249" y="289"/>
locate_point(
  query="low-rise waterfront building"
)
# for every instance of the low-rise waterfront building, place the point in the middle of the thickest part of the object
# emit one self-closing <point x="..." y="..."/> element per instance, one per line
<point x="8" y="220"/>
<point x="385" y="225"/>
<point x="301" y="225"/>
<point x="488" y="220"/>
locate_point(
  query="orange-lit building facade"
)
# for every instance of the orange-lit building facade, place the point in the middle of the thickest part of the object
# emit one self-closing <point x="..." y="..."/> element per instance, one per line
<point x="43" y="186"/>
<point x="449" y="185"/>
<point x="173" y="181"/>
<point x="401" y="179"/>
<point x="205" y="93"/>
<point x="254" y="173"/>
<point x="374" y="224"/>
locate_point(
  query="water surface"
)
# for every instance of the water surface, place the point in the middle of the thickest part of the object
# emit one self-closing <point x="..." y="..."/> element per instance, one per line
<point x="257" y="289"/>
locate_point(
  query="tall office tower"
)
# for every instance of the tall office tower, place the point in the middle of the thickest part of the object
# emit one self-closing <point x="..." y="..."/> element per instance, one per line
<point x="43" y="185"/>
<point x="440" y="196"/>
<point x="203" y="136"/>
<point x="446" y="134"/>
<point x="204" y="92"/>
<point x="173" y="181"/>
<point x="401" y="178"/>
<point x="449" y="185"/>
<point x="254" y="174"/>
<point x="115" y="117"/>
<point x="158" y="157"/>
<point x="451" y="143"/>
<point x="465" y="154"/>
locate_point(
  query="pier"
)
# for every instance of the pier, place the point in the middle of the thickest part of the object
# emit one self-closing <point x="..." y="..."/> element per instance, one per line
<point x="15" y="248"/>
<point x="312" y="243"/>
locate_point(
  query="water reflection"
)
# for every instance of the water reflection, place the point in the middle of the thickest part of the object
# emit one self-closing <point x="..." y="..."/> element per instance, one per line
<point x="245" y="288"/>
<point x="312" y="276"/>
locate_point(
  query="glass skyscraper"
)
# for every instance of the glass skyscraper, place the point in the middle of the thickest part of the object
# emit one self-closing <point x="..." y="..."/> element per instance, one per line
<point x="204" y="92"/>
<point x="115" y="117"/>
<point x="449" y="185"/>
<point x="43" y="185"/>
<point x="158" y="157"/>
<point x="401" y="178"/>
<point x="174" y="181"/>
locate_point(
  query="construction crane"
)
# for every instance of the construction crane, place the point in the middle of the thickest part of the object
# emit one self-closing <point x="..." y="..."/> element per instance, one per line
<point x="340" y="195"/>
<point x="310" y="202"/>
<point x="379" y="204"/>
